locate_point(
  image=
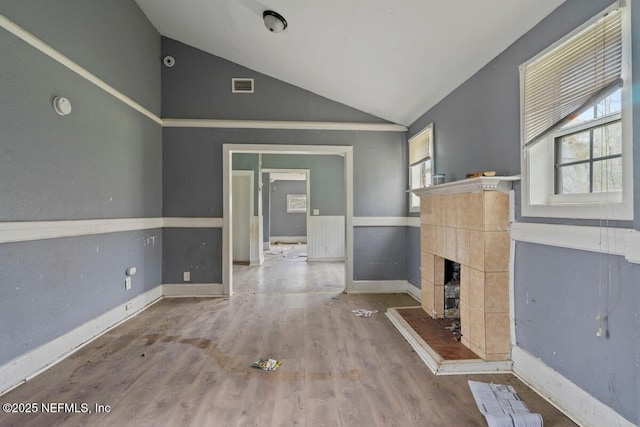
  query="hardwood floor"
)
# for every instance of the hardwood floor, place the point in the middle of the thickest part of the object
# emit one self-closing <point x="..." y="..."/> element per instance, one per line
<point x="286" y="270"/>
<point x="187" y="362"/>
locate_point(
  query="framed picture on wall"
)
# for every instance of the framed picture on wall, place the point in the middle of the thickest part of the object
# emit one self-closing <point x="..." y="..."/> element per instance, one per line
<point x="296" y="203"/>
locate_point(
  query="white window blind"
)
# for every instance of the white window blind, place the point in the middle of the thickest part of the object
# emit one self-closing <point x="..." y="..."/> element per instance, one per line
<point x="420" y="146"/>
<point x="560" y="84"/>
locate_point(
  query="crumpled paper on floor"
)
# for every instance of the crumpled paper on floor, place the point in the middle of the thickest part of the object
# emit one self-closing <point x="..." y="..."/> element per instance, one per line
<point x="363" y="312"/>
<point x="266" y="364"/>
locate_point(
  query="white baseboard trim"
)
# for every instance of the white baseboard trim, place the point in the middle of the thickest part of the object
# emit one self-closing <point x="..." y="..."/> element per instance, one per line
<point x="414" y="291"/>
<point x="325" y="259"/>
<point x="573" y="401"/>
<point x="378" y="287"/>
<point x="192" y="290"/>
<point x="25" y="367"/>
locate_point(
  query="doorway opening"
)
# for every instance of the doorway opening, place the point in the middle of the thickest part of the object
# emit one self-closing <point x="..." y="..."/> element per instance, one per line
<point x="339" y="245"/>
<point x="285" y="206"/>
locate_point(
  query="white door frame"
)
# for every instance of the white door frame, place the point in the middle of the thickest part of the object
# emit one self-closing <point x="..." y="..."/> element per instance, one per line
<point x="229" y="149"/>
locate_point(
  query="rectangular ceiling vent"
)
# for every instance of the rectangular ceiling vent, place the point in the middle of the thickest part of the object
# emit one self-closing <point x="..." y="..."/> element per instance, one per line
<point x="241" y="85"/>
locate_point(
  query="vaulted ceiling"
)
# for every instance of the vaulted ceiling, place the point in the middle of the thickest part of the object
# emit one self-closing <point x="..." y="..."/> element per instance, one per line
<point x="392" y="59"/>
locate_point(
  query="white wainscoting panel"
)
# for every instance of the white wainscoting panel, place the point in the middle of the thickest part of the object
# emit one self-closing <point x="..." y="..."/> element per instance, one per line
<point x="256" y="255"/>
<point x="325" y="238"/>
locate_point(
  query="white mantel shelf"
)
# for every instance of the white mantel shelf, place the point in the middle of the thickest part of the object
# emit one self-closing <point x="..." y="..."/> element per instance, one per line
<point x="471" y="185"/>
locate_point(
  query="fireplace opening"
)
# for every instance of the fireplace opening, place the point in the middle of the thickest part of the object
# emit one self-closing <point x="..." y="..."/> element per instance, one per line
<point x="451" y="289"/>
<point x="452" y="297"/>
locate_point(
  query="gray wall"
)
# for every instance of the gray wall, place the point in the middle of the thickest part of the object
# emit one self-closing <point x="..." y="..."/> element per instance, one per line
<point x="196" y="250"/>
<point x="112" y="39"/>
<point x="283" y="223"/>
<point x="326" y="178"/>
<point x="558" y="294"/>
<point x="50" y="287"/>
<point x="380" y="253"/>
<point x="191" y="169"/>
<point x="102" y="161"/>
<point x="198" y="86"/>
<point x="477" y="127"/>
<point x="413" y="256"/>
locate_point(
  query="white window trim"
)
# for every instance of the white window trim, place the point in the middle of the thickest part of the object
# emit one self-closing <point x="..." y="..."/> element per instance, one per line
<point x="612" y="205"/>
<point x="429" y="128"/>
<point x="292" y="210"/>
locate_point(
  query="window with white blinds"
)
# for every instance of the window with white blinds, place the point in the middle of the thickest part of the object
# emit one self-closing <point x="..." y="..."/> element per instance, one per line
<point x="572" y="77"/>
<point x="576" y="123"/>
<point x="420" y="146"/>
<point x="420" y="163"/>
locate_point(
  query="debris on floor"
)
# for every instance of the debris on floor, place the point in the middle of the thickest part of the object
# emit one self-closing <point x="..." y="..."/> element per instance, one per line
<point x="501" y="406"/>
<point x="266" y="364"/>
<point x="278" y="251"/>
<point x="455" y="329"/>
<point x="362" y="312"/>
<point x="336" y="297"/>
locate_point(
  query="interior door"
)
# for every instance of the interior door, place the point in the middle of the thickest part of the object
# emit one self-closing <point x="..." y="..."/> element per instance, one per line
<point x="241" y="191"/>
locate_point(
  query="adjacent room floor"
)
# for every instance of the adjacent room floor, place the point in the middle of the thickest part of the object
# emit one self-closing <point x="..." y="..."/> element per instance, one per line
<point x="188" y="362"/>
<point x="286" y="270"/>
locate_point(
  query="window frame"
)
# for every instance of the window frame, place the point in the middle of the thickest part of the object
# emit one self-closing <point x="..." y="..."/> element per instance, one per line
<point x="414" y="201"/>
<point x="590" y="127"/>
<point x="291" y="197"/>
<point x="538" y="198"/>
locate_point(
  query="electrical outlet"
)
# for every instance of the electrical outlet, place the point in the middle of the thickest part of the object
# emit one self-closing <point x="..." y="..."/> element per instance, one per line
<point x="186" y="276"/>
<point x="127" y="283"/>
<point x="128" y="306"/>
<point x="316" y="211"/>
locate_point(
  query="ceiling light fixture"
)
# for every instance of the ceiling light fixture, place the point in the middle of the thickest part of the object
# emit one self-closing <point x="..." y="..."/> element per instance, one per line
<point x="274" y="21"/>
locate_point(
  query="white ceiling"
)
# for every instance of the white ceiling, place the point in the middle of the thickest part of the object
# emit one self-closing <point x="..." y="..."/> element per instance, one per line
<point x="393" y="59"/>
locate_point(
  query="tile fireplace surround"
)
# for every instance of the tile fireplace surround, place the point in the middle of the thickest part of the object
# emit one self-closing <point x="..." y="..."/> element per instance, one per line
<point x="468" y="222"/>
